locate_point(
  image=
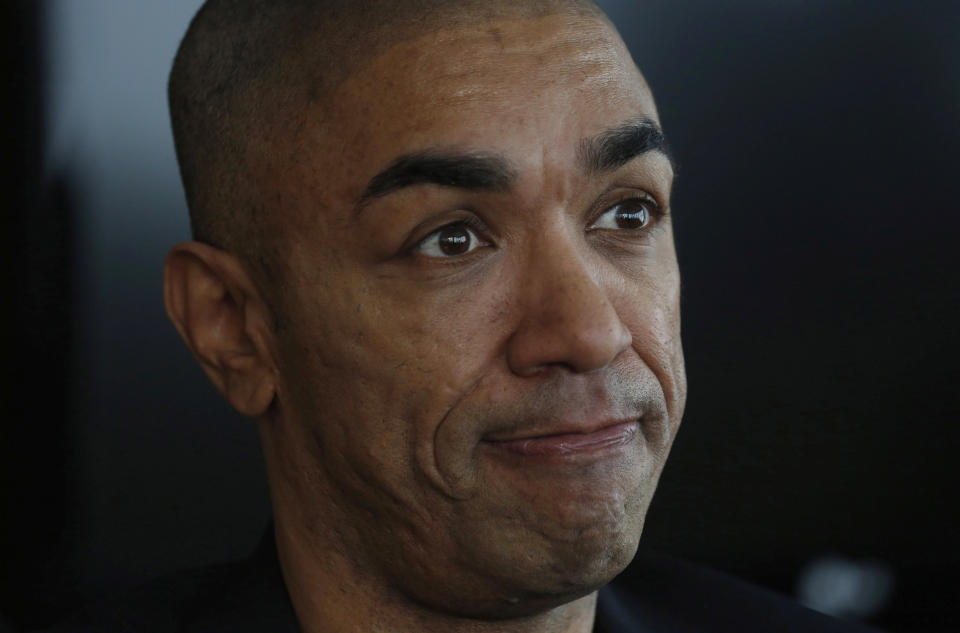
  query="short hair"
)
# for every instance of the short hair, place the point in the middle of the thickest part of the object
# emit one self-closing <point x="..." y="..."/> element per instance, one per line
<point x="243" y="68"/>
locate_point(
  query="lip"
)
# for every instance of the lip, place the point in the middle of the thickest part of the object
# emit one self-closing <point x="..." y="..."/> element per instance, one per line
<point x="606" y="437"/>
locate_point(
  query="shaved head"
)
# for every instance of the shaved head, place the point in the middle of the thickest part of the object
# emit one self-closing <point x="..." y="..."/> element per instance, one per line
<point x="246" y="73"/>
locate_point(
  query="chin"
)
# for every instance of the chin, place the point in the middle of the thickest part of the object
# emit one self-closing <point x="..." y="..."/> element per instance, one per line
<point x="521" y="577"/>
<point x="568" y="571"/>
<point x="541" y="555"/>
<point x="536" y="540"/>
<point x="592" y="562"/>
<point x="568" y="580"/>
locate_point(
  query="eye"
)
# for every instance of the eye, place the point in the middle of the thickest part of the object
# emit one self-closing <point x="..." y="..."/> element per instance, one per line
<point x="632" y="214"/>
<point x="452" y="240"/>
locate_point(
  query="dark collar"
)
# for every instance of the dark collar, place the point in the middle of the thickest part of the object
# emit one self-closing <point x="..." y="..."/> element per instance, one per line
<point x="662" y="593"/>
<point x="258" y="601"/>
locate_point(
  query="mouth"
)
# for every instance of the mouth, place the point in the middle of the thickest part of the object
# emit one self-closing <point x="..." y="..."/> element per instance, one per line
<point x="568" y="444"/>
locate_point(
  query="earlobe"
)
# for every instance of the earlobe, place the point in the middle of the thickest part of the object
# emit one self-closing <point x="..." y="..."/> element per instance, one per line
<point x="213" y="304"/>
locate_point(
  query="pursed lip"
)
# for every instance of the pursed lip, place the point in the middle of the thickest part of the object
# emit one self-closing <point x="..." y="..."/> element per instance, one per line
<point x="561" y="440"/>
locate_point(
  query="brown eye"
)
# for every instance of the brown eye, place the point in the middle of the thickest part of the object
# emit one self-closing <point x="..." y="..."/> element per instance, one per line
<point x="454" y="240"/>
<point x="449" y="241"/>
<point x="632" y="218"/>
<point x="631" y="214"/>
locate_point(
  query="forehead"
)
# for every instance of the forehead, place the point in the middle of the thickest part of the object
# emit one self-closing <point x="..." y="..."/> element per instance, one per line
<point x="483" y="61"/>
<point x="504" y="85"/>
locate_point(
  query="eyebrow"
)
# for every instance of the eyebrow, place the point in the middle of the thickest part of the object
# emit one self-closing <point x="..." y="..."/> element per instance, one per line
<point x="479" y="171"/>
<point x="618" y="146"/>
<point x="467" y="170"/>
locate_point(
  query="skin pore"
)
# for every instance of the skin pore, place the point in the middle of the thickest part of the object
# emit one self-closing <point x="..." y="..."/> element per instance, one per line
<point x="477" y="381"/>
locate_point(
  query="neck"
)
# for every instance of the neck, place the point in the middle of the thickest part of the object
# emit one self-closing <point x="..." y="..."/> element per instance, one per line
<point x="331" y="594"/>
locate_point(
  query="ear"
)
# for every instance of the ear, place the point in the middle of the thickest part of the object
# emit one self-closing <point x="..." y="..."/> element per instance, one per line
<point x="221" y="316"/>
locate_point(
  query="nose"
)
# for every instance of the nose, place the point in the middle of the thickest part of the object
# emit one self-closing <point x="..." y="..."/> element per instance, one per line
<point x="568" y="318"/>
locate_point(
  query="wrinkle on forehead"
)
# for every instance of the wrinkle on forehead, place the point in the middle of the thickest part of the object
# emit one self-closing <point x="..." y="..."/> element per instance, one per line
<point x="433" y="74"/>
<point x="573" y="50"/>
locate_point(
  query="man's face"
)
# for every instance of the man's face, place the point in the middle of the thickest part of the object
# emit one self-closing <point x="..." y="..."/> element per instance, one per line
<point x="480" y="370"/>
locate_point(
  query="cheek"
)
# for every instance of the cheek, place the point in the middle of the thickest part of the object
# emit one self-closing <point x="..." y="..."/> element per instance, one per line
<point x="656" y="339"/>
<point x="378" y="371"/>
<point x="651" y="311"/>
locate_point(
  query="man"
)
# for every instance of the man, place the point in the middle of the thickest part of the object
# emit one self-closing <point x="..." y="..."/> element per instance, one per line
<point x="434" y="260"/>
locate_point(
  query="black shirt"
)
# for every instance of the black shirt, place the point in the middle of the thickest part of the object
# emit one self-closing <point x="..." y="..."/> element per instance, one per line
<point x="660" y="595"/>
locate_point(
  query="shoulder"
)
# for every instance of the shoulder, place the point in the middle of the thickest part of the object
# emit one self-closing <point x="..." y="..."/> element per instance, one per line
<point x="661" y="593"/>
<point x="241" y="596"/>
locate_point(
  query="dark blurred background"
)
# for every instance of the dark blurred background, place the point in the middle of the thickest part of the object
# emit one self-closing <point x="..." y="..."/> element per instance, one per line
<point x="817" y="226"/>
